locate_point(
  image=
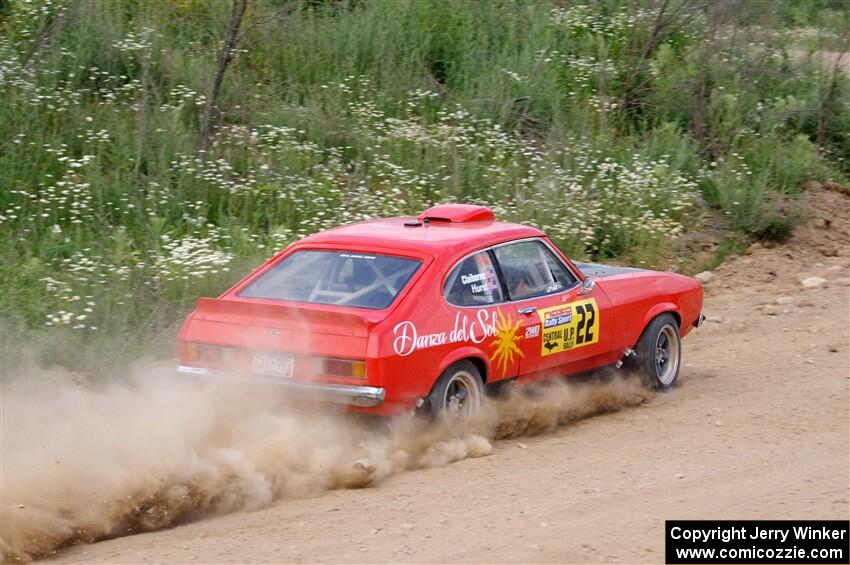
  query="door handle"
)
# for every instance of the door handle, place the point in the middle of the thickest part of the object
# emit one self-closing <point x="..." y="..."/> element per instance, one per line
<point x="528" y="310"/>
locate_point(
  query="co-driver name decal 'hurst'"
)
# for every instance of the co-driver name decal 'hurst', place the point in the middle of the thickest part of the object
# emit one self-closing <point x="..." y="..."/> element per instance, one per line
<point x="569" y="326"/>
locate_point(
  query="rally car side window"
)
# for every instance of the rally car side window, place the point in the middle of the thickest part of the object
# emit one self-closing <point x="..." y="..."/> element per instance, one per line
<point x="474" y="282"/>
<point x="530" y="269"/>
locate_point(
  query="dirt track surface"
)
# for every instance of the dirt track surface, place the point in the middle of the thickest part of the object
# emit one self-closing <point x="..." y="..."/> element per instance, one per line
<point x="757" y="429"/>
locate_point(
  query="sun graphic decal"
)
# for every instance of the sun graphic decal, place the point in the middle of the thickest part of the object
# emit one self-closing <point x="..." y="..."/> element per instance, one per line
<point x="505" y="342"/>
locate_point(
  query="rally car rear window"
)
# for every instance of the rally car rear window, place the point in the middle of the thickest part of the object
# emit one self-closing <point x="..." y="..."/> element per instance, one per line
<point x="343" y="278"/>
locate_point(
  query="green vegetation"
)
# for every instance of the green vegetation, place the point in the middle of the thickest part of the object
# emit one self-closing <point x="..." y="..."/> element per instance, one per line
<point x="613" y="125"/>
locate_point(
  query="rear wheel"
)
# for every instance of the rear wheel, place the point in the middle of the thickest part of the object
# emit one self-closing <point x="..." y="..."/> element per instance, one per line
<point x="659" y="352"/>
<point x="458" y="393"/>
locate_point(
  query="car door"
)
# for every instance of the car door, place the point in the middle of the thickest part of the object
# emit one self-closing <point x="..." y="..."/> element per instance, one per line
<point x="560" y="323"/>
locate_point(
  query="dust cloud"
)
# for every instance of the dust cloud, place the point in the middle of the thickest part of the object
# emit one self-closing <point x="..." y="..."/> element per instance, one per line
<point x="547" y="405"/>
<point x="83" y="461"/>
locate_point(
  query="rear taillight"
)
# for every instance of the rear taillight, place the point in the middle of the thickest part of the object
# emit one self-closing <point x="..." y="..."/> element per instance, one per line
<point x="347" y="368"/>
<point x="210" y="354"/>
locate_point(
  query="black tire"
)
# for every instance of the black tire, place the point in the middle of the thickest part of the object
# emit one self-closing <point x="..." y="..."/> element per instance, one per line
<point x="659" y="353"/>
<point x="459" y="392"/>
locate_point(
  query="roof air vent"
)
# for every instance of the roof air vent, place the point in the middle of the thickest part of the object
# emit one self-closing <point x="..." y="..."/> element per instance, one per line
<point x="457" y="213"/>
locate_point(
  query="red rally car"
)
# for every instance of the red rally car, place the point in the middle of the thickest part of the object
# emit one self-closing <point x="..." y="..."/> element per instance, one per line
<point x="388" y="315"/>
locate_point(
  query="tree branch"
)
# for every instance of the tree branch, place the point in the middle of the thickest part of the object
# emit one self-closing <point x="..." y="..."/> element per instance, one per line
<point x="225" y="55"/>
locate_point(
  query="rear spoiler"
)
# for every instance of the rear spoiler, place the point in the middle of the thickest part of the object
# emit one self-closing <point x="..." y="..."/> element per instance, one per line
<point x="268" y="314"/>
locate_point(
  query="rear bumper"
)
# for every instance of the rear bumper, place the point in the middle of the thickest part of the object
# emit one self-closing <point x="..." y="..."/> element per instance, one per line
<point x="352" y="395"/>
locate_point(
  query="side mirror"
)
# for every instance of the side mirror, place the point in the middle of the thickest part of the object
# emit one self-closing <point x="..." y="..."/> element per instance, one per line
<point x="587" y="286"/>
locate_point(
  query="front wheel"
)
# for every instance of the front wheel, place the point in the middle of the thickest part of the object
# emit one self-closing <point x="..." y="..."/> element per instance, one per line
<point x="659" y="352"/>
<point x="458" y="393"/>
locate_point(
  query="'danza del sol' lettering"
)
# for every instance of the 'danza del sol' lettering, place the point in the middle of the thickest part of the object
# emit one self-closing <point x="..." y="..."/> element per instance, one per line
<point x="407" y="338"/>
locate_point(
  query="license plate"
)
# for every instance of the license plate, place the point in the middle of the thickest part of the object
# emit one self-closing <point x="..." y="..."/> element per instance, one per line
<point x="273" y="364"/>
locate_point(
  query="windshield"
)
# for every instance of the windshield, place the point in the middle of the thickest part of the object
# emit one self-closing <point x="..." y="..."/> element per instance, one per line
<point x="343" y="278"/>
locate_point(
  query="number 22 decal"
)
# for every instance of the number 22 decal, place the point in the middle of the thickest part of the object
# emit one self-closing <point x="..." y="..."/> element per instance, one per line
<point x="584" y="330"/>
<point x="569" y="326"/>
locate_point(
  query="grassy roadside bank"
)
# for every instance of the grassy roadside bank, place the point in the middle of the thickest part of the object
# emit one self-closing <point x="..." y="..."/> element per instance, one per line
<point x="617" y="127"/>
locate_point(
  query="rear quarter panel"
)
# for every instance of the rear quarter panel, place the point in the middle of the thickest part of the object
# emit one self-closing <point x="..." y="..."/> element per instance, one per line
<point x="423" y="336"/>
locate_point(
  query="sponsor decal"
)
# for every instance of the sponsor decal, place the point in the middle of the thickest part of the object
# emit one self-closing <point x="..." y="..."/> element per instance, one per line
<point x="482" y="325"/>
<point x="504" y="344"/>
<point x="476" y="329"/>
<point x="558" y="316"/>
<point x="356" y="256"/>
<point x="492" y="280"/>
<point x="569" y="326"/>
<point x="532" y="331"/>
